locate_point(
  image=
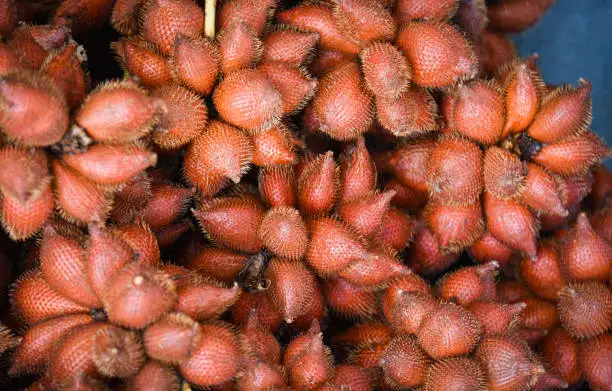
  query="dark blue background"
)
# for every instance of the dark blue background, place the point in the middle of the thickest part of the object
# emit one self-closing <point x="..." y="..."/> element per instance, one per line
<point x="574" y="39"/>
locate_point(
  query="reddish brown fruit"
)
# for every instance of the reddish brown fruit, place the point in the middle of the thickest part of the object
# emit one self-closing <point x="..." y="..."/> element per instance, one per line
<point x="142" y="240"/>
<point x="365" y="214"/>
<point x="239" y="48"/>
<point x="273" y="147"/>
<point x="498" y="50"/>
<point x="410" y="309"/>
<point x="35" y="300"/>
<point x="33" y="352"/>
<point x="408" y="10"/>
<point x="449" y="331"/>
<point x="141" y="59"/>
<point x="8" y="59"/>
<point x="564" y="111"/>
<point x="205" y="300"/>
<point x="185" y="117"/>
<point x="342" y="106"/>
<point x="248" y="99"/>
<point x="426" y="256"/>
<point x="602" y="223"/>
<point x="404" y="363"/>
<point x="62" y="263"/>
<point x="413" y="112"/>
<point x="34" y="111"/>
<point x="106" y="254"/>
<point x="124" y="17"/>
<point x="326" y="60"/>
<point x="511" y="223"/>
<point x="288" y="45"/>
<point x="154" y="376"/>
<point x="284" y="233"/>
<point x="117" y="352"/>
<point x="457" y="227"/>
<point x="496" y="318"/>
<point x="455" y="374"/>
<point x="479" y="111"/>
<point x="407" y="163"/>
<point x="467" y="285"/>
<point x="386" y="72"/>
<point x="196" y="63"/>
<point x="26" y="47"/>
<point x="573" y="155"/>
<point x="522" y="98"/>
<point x="357" y="172"/>
<point x="24" y="173"/>
<point x="20" y="219"/>
<point x="73" y="355"/>
<point x="396" y="229"/>
<point x="585" y="255"/>
<point x="294" y="84"/>
<point x="543" y="191"/>
<point x="162" y="21"/>
<point x="64" y="67"/>
<point x="260" y="305"/>
<point x="382" y="268"/>
<point x="561" y="351"/>
<point x="167" y="204"/>
<point x="221" y="154"/>
<point x="8" y="17"/>
<point x="508" y="362"/>
<point x="319" y="18"/>
<point x="349" y="300"/>
<point x="138" y="295"/>
<point x="504" y="175"/>
<point x="454" y="171"/>
<point x="585" y="309"/>
<point x="318" y="185"/>
<point x="333" y="247"/>
<point x="364" y="21"/>
<point x="351" y="377"/>
<point x="232" y="222"/>
<point x="81" y="17"/>
<point x="258" y="340"/>
<point x="539" y="314"/>
<point x="405" y="197"/>
<point x="131" y="199"/>
<point x="277" y="185"/>
<point x="172" y="338"/>
<point x="79" y="198"/>
<point x="292" y="287"/>
<point x="517" y="15"/>
<point x="308" y="360"/>
<point x="595" y="356"/>
<point x="440" y="56"/>
<point x="117" y="112"/>
<point x="542" y="273"/>
<point x="216" y="358"/>
<point x="258" y="375"/>
<point x="255" y="14"/>
<point x="408" y="283"/>
<point x="218" y="263"/>
<point x="111" y="164"/>
<point x="488" y="248"/>
<point x="365" y="334"/>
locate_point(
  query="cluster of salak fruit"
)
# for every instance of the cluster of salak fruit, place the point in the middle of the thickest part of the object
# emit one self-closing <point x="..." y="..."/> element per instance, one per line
<point x="353" y="147"/>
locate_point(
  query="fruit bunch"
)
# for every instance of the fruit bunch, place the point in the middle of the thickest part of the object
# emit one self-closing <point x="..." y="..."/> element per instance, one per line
<point x="462" y="334"/>
<point x="64" y="149"/>
<point x="253" y="72"/>
<point x="111" y="310"/>
<point x="315" y="219"/>
<point x="571" y="276"/>
<point x="513" y="152"/>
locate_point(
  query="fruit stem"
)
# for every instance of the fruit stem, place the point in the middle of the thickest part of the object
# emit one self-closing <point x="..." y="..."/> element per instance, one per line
<point x="209" y="23"/>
